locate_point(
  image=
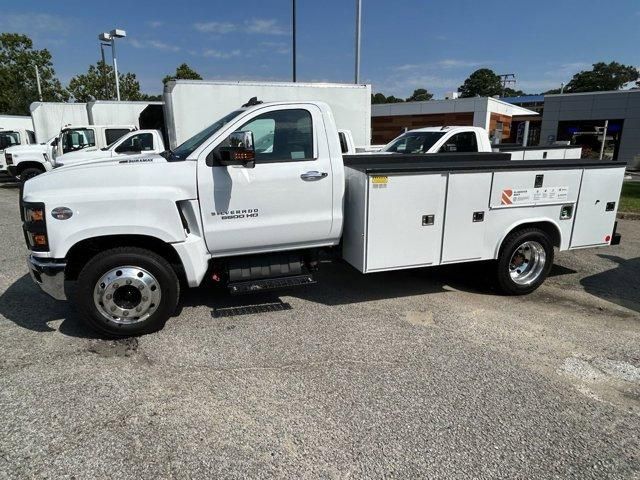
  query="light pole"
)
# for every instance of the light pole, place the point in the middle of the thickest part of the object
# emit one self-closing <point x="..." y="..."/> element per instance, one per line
<point x="111" y="37"/>
<point x="293" y="38"/>
<point x="358" y="26"/>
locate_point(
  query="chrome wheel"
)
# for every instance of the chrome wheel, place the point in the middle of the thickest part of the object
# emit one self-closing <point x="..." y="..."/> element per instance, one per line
<point x="527" y="263"/>
<point x="127" y="294"/>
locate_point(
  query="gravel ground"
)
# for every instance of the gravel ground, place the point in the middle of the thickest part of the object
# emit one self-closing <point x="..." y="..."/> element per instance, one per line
<point x="408" y="374"/>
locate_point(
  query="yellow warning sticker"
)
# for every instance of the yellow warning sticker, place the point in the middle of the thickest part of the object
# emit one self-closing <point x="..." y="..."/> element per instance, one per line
<point x="379" y="180"/>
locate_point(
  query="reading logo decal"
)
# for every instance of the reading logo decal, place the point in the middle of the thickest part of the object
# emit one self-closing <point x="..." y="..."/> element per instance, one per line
<point x="534" y="195"/>
<point x="236" y="214"/>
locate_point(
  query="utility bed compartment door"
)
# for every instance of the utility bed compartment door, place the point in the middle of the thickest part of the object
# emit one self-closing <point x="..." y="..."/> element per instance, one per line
<point x="534" y="188"/>
<point x="597" y="207"/>
<point x="467" y="209"/>
<point x="404" y="221"/>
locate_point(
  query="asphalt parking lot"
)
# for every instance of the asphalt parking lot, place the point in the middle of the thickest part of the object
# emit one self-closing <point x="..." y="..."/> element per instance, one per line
<point x="410" y="374"/>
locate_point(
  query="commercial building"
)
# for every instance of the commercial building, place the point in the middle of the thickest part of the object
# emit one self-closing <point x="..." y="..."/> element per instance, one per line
<point x="391" y="119"/>
<point x="580" y="118"/>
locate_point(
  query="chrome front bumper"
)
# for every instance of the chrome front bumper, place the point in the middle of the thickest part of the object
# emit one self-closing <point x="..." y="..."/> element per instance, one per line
<point x="49" y="275"/>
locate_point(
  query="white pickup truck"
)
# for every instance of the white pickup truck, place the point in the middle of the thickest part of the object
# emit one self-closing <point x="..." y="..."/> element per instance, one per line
<point x="27" y="161"/>
<point x="137" y="142"/>
<point x="13" y="138"/>
<point x="471" y="140"/>
<point x="120" y="238"/>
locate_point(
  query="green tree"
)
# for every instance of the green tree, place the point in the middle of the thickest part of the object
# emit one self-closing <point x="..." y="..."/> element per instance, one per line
<point x="482" y="83"/>
<point x="420" y="95"/>
<point x="602" y="77"/>
<point x="18" y="85"/>
<point x="183" y="72"/>
<point x="99" y="84"/>
<point x="392" y="99"/>
<point x="510" y="92"/>
<point x="377" y="98"/>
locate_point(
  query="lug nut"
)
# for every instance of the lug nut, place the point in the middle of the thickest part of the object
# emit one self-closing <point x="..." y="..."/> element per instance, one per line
<point x="113" y="309"/>
<point x="141" y="287"/>
<point x="125" y="313"/>
<point x="144" y="299"/>
<point x="115" y="285"/>
<point x="128" y="282"/>
<point x="109" y="296"/>
<point x="138" y="309"/>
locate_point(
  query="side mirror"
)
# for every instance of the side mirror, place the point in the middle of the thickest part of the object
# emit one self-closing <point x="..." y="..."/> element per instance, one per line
<point x="240" y="151"/>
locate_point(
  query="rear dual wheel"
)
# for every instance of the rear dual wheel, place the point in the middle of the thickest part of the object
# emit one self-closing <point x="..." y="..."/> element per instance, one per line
<point x="525" y="259"/>
<point x="127" y="291"/>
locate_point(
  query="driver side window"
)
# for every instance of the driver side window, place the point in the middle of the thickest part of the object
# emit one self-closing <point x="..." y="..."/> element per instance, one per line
<point x="464" y="142"/>
<point x="136" y="143"/>
<point x="281" y="136"/>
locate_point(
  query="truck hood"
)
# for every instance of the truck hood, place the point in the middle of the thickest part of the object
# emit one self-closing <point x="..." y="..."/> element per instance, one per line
<point x="90" y="152"/>
<point x="117" y="181"/>
<point x="100" y="157"/>
<point x="31" y="149"/>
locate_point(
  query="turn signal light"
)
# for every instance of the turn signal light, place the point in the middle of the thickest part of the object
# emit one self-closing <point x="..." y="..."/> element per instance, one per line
<point x="37" y="240"/>
<point x="243" y="156"/>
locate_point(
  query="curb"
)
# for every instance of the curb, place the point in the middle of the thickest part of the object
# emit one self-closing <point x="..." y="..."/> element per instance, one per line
<point x="628" y="216"/>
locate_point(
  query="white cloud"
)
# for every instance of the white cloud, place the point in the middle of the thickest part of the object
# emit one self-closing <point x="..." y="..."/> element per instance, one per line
<point x="215" y="27"/>
<point x="265" y="27"/>
<point x="34" y="23"/>
<point x="155" y="44"/>
<point x="438" y="76"/>
<point x="260" y="26"/>
<point x="282" y="48"/>
<point x="155" y="23"/>
<point x="213" y="53"/>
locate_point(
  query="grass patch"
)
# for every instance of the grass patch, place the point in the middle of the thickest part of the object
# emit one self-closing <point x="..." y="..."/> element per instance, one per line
<point x="630" y="198"/>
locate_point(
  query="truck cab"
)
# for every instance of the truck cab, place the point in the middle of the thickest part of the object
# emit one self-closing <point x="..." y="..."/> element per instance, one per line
<point x="88" y="137"/>
<point x="440" y="140"/>
<point x="28" y="161"/>
<point x="471" y="140"/>
<point x="13" y="137"/>
<point x="136" y="142"/>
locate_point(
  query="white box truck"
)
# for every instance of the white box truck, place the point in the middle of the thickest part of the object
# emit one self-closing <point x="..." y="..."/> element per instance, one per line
<point x="9" y="122"/>
<point x="103" y="112"/>
<point x="51" y="117"/>
<point x="125" y="235"/>
<point x="192" y="105"/>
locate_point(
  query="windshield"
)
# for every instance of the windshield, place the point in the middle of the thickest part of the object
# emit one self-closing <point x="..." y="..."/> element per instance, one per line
<point x="75" y="139"/>
<point x="413" y="142"/>
<point x="189" y="146"/>
<point x="9" y="139"/>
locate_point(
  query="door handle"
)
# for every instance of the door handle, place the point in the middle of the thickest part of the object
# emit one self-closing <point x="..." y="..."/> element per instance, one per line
<point x="313" y="176"/>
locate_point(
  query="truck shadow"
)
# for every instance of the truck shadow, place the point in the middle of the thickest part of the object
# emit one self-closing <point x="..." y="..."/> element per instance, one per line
<point x="24" y="304"/>
<point x="340" y="284"/>
<point x="620" y="285"/>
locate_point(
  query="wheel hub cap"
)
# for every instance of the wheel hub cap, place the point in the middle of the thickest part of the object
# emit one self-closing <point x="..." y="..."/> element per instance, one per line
<point x="127" y="294"/>
<point x="527" y="263"/>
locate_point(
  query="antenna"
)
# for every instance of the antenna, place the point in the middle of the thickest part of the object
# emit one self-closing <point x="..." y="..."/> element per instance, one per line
<point x="507" y="79"/>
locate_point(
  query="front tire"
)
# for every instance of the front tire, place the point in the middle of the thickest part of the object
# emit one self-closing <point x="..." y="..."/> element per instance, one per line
<point x="127" y="291"/>
<point x="525" y="260"/>
<point x="28" y="173"/>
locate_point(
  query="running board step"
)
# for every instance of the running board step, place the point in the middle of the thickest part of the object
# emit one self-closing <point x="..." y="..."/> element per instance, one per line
<point x="252" y="286"/>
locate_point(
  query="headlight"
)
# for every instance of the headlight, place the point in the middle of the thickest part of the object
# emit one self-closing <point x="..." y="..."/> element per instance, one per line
<point x="33" y="213"/>
<point x="9" y="158"/>
<point x="35" y="226"/>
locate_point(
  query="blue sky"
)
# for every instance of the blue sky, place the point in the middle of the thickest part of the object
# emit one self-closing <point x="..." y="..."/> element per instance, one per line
<point x="406" y="44"/>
